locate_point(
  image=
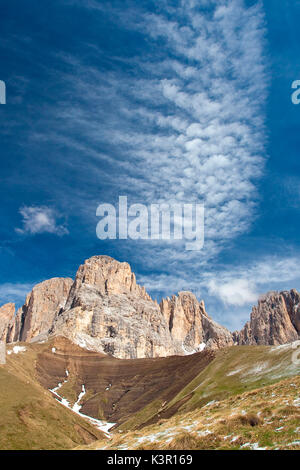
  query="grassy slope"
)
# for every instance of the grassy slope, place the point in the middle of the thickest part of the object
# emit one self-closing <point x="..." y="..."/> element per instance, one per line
<point x="265" y="418"/>
<point x="30" y="418"/>
<point x="234" y="370"/>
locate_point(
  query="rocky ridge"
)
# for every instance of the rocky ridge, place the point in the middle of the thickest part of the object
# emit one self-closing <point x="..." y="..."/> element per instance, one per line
<point x="105" y="310"/>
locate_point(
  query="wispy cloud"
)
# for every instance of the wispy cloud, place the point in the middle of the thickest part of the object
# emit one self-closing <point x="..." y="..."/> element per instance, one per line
<point x="40" y="219"/>
<point x="186" y="123"/>
<point x="14" y="293"/>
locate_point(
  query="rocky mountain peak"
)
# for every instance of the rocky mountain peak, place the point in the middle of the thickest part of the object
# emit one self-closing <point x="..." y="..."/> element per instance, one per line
<point x="107" y="276"/>
<point x="190" y="326"/>
<point x="275" y="320"/>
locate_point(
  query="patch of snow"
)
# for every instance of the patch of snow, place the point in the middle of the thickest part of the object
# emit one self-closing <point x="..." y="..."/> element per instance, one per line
<point x="64" y="402"/>
<point x="101" y="425"/>
<point x="76" y="406"/>
<point x="294" y="443"/>
<point x="206" y="432"/>
<point x="210" y="403"/>
<point x="296" y="402"/>
<point x="282" y="347"/>
<point x="16" y="350"/>
<point x="234" y="372"/>
<point x="262" y="366"/>
<point x="279" y="429"/>
<point x="235" y="438"/>
<point x="255" y="446"/>
<point x="189" y="427"/>
<point x="248" y="444"/>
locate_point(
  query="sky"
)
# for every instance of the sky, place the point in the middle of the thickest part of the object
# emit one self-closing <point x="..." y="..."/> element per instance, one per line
<point x="178" y="101"/>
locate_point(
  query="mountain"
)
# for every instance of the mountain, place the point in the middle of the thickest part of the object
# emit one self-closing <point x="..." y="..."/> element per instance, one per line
<point x="275" y="320"/>
<point x="105" y="310"/>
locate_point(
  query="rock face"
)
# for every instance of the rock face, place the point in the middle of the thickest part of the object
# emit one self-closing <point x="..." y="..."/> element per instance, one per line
<point x="191" y="328"/>
<point x="41" y="306"/>
<point x="108" y="312"/>
<point x="275" y="320"/>
<point x="7" y="313"/>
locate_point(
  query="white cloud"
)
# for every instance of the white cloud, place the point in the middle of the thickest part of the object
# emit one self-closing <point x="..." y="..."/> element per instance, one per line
<point x="40" y="219"/>
<point x="236" y="292"/>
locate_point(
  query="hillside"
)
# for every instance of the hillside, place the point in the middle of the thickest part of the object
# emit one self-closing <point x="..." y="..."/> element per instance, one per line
<point x="143" y="396"/>
<point x="263" y="419"/>
<point x="30" y="417"/>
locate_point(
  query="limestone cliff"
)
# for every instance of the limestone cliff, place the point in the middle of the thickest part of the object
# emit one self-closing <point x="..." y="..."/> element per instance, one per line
<point x="275" y="320"/>
<point x="190" y="326"/>
<point x="7" y="313"/>
<point x="41" y="306"/>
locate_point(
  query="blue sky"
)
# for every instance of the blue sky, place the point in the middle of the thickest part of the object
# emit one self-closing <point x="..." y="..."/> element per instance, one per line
<point x="186" y="101"/>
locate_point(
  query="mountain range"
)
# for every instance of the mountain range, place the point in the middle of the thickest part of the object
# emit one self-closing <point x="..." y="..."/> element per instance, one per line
<point x="105" y="310"/>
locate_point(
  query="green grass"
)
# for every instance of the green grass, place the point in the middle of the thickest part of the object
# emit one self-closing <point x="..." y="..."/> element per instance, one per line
<point x="30" y="417"/>
<point x="217" y="381"/>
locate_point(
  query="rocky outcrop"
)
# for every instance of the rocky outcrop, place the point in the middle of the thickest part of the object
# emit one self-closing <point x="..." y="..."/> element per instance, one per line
<point x="275" y="320"/>
<point x="191" y="328"/>
<point x="108" y="312"/>
<point x="7" y="313"/>
<point x="43" y="303"/>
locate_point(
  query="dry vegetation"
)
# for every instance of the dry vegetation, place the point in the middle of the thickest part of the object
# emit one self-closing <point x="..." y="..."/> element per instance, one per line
<point x="266" y="418"/>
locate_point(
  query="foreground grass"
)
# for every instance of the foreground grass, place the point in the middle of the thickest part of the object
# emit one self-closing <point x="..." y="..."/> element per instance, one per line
<point x="267" y="418"/>
<point x="30" y="418"/>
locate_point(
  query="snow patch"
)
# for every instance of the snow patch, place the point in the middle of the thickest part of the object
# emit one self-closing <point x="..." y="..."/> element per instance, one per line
<point x="76" y="406"/>
<point x="16" y="350"/>
<point x="235" y="371"/>
<point x="101" y="425"/>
